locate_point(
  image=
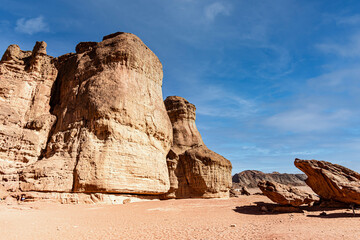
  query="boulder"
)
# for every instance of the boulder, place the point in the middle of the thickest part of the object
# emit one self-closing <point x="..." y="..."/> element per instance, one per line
<point x="331" y="181"/>
<point x="194" y="170"/>
<point x="112" y="132"/>
<point x="26" y="80"/>
<point x="285" y="195"/>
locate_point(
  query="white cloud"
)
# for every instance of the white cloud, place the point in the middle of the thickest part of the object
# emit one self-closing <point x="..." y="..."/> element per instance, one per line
<point x="215" y="9"/>
<point x="31" y="25"/>
<point x="218" y="102"/>
<point x="307" y="120"/>
<point x="350" y="20"/>
<point x="351" y="48"/>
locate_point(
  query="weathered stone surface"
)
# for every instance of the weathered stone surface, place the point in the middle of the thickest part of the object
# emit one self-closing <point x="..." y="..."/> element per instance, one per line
<point x="195" y="171"/>
<point x="112" y="132"/>
<point x="331" y="181"/>
<point x="26" y="80"/>
<point x="182" y="116"/>
<point x="250" y="178"/>
<point x="285" y="195"/>
<point x="3" y="193"/>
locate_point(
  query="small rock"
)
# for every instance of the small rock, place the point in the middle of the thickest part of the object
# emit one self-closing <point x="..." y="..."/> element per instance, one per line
<point x="323" y="214"/>
<point x="233" y="225"/>
<point x="263" y="209"/>
<point x="127" y="200"/>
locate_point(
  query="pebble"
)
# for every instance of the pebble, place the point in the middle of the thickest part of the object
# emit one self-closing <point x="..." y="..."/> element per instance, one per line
<point x="323" y="214"/>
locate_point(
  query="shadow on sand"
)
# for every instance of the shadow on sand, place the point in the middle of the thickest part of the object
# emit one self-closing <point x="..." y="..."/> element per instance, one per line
<point x="262" y="208"/>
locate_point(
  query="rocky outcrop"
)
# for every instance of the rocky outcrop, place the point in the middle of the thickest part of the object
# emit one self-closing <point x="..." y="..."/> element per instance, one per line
<point x="250" y="178"/>
<point x="112" y="132"/>
<point x="94" y="121"/>
<point x="331" y="181"/>
<point x="90" y="121"/>
<point x="285" y="195"/>
<point x="195" y="170"/>
<point x="26" y="80"/>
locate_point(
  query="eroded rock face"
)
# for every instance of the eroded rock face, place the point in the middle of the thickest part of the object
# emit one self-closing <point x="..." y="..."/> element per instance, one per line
<point x="195" y="170"/>
<point x="331" y="181"/>
<point x="285" y="195"/>
<point x="26" y="80"/>
<point x="112" y="132"/>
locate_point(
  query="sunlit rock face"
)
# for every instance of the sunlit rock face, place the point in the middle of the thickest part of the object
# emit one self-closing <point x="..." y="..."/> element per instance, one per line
<point x="195" y="170"/>
<point x="331" y="181"/>
<point x="286" y="195"/>
<point x="26" y="80"/>
<point x="112" y="132"/>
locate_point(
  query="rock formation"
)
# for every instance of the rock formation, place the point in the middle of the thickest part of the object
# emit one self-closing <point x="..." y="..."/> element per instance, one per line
<point x="195" y="171"/>
<point x="90" y="121"/>
<point x="331" y="181"/>
<point x="112" y="132"/>
<point x="26" y="79"/>
<point x="250" y="178"/>
<point x="285" y="195"/>
<point x="95" y="122"/>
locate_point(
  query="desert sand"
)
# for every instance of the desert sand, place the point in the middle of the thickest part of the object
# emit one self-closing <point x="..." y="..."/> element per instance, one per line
<point x="234" y="218"/>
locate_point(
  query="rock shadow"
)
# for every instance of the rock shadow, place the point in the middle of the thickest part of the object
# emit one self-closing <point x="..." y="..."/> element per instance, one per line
<point x="335" y="215"/>
<point x="262" y="208"/>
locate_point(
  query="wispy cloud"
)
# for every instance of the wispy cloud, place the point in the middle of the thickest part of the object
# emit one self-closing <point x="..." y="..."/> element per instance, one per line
<point x="308" y="120"/>
<point x="349" y="20"/>
<point x="215" y="9"/>
<point x="215" y="101"/>
<point x="351" y="48"/>
<point x="31" y="25"/>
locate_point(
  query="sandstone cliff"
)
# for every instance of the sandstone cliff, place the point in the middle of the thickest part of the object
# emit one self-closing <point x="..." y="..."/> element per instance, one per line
<point x="112" y="132"/>
<point x="250" y="178"/>
<point x="195" y="170"/>
<point x="94" y="121"/>
<point x="26" y="80"/>
<point x="90" y="121"/>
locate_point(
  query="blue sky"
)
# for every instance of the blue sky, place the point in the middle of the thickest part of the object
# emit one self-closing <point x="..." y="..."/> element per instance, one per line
<point x="271" y="80"/>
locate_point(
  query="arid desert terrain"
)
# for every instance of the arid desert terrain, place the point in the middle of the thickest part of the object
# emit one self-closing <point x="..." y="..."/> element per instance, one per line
<point x="234" y="218"/>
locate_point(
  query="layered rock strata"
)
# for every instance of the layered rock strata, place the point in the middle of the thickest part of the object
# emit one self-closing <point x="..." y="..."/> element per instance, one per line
<point x="195" y="170"/>
<point x="94" y="122"/>
<point x="26" y="80"/>
<point x="285" y="195"/>
<point x="112" y="132"/>
<point x="331" y="181"/>
<point x="90" y="121"/>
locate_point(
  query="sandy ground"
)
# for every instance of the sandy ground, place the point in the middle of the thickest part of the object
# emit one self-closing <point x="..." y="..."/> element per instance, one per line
<point x="235" y="218"/>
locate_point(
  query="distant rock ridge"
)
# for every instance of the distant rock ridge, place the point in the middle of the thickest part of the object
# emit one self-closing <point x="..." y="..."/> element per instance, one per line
<point x="94" y="121"/>
<point x="250" y="178"/>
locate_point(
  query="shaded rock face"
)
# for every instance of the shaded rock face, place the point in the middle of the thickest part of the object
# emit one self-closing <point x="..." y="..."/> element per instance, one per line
<point x="331" y="181"/>
<point x="285" y="195"/>
<point x="26" y="80"/>
<point x="112" y="132"/>
<point x="250" y="178"/>
<point x="195" y="170"/>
